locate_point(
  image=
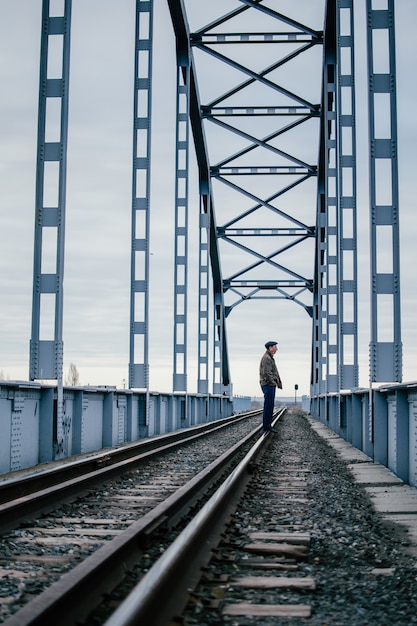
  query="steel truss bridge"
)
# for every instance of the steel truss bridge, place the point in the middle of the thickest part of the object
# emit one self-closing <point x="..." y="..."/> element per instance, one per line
<point x="277" y="184"/>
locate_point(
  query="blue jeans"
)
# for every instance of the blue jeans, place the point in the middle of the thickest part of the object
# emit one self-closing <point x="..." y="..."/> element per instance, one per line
<point x="269" y="401"/>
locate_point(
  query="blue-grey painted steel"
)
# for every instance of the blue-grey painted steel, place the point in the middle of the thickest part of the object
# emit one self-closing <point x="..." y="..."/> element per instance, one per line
<point x="356" y="422"/>
<point x="47" y="446"/>
<point x="412" y="437"/>
<point x="347" y="308"/>
<point x="46" y="351"/>
<point x="402" y="449"/>
<point x="142" y="113"/>
<point x="381" y="430"/>
<point x="207" y="214"/>
<point x="203" y="299"/>
<point x="334" y="342"/>
<point x="368" y="424"/>
<point x="324" y="343"/>
<point x="181" y="224"/>
<point x="288" y="284"/>
<point x="334" y="284"/>
<point x="241" y="404"/>
<point x="381" y="423"/>
<point x="329" y="275"/>
<point x="97" y="418"/>
<point x="46" y="344"/>
<point x="385" y="344"/>
<point x="218" y="387"/>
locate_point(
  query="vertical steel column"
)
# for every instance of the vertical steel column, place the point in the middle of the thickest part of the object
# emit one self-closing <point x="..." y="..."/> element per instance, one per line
<point x="181" y="227"/>
<point x="139" y="299"/>
<point x="331" y="272"/>
<point x="203" y="308"/>
<point x="347" y="220"/>
<point x="325" y="314"/>
<point x="46" y="344"/>
<point x="218" y="344"/>
<point x="385" y="344"/>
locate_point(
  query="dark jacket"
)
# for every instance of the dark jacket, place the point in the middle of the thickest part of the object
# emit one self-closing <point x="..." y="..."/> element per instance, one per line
<point x="268" y="372"/>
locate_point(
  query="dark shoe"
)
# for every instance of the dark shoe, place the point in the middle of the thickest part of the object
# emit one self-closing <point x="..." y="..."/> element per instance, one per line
<point x="273" y="430"/>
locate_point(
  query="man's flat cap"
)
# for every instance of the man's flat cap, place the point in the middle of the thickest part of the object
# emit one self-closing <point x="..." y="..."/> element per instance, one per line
<point x="270" y="343"/>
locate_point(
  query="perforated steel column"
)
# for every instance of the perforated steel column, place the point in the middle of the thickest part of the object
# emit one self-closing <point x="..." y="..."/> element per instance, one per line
<point x="203" y="312"/>
<point x="330" y="308"/>
<point x="181" y="228"/>
<point x="46" y="346"/>
<point x="385" y="345"/>
<point x="139" y="301"/>
<point x="325" y="335"/>
<point x="347" y="218"/>
<point x="218" y="344"/>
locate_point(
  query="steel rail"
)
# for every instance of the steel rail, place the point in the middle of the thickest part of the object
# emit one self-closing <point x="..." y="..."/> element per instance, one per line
<point x="72" y="596"/>
<point x="38" y="478"/>
<point x="163" y="592"/>
<point x="21" y="508"/>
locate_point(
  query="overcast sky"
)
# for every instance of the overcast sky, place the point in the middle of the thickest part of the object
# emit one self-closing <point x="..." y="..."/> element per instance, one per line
<point x="98" y="217"/>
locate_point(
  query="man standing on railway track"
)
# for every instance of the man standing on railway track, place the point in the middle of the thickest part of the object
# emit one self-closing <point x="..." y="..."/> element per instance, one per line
<point x="269" y="380"/>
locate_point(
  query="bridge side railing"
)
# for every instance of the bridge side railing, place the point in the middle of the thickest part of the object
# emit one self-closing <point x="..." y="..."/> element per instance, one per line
<point x="381" y="421"/>
<point x="93" y="418"/>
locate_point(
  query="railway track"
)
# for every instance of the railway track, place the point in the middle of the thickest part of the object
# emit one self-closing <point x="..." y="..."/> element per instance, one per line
<point x="114" y="461"/>
<point x="300" y="545"/>
<point x="102" y="520"/>
<point x="284" y="536"/>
